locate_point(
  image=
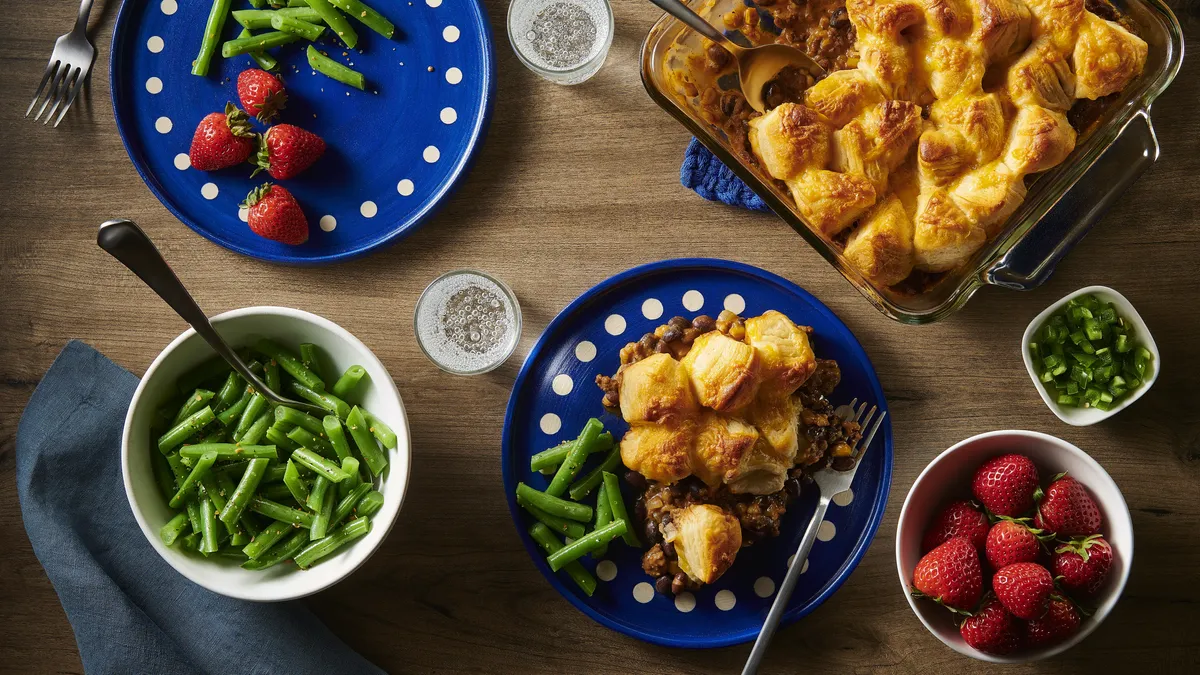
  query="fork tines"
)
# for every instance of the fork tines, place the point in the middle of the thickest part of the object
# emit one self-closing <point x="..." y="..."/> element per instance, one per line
<point x="65" y="81"/>
<point x="865" y="441"/>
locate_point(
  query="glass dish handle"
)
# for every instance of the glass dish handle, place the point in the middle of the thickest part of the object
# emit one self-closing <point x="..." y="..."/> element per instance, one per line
<point x="1030" y="262"/>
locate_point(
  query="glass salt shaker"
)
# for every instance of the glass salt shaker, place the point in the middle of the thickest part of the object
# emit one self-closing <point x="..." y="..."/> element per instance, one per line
<point x="564" y="41"/>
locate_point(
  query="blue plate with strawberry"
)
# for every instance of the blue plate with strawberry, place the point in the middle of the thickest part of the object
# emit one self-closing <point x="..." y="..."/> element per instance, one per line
<point x="392" y="151"/>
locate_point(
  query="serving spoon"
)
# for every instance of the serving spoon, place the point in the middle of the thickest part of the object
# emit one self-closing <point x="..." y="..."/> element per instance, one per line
<point x="756" y="65"/>
<point x="125" y="241"/>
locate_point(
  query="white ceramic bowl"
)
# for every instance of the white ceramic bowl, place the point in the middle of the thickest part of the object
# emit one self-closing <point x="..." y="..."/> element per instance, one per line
<point x="1082" y="417"/>
<point x="240" y="327"/>
<point x="948" y="477"/>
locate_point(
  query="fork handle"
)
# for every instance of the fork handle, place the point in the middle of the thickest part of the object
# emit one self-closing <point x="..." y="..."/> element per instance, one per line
<point x="85" y="8"/>
<point x="785" y="590"/>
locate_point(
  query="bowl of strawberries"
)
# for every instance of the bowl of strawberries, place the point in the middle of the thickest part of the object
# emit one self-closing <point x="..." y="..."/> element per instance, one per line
<point x="1013" y="546"/>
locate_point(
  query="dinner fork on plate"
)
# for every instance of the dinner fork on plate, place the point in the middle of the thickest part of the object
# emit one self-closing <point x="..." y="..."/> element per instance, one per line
<point x="831" y="481"/>
<point x="68" y="70"/>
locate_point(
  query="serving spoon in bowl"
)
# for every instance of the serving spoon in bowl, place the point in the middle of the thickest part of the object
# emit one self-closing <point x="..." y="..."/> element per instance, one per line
<point x="756" y="65"/>
<point x="126" y="242"/>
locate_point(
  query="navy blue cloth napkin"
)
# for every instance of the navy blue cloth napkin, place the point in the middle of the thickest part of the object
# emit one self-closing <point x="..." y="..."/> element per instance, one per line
<point x="709" y="178"/>
<point x="131" y="612"/>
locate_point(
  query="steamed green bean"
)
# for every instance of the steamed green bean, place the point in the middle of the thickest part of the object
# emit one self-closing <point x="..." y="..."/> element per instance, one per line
<point x="280" y="439"/>
<point x="582" y="487"/>
<point x="234" y="412"/>
<point x="370" y="504"/>
<point x="383" y="433"/>
<point x="574" y="459"/>
<point x="613" y="490"/>
<point x="334" y="70"/>
<point x="294" y="483"/>
<point x="551" y="458"/>
<point x="305" y="439"/>
<point x="288" y="361"/>
<point x="280" y="552"/>
<point x="299" y="419"/>
<point x="341" y="537"/>
<point x="209" y="535"/>
<point x="551" y="545"/>
<point x="320" y="465"/>
<point x="374" y="458"/>
<point x="603" y="516"/>
<point x="185" y="429"/>
<point x="257" y="19"/>
<point x="586" y="544"/>
<point x="187" y="489"/>
<point x="212" y="36"/>
<point x="278" y="511"/>
<point x="554" y="505"/>
<point x="266" y="539"/>
<point x="319" y="493"/>
<point x="256" y="406"/>
<point x="197" y="400"/>
<point x="306" y="30"/>
<point x="244" y="492"/>
<point x="346" y="505"/>
<point x="257" y="430"/>
<point x="366" y="16"/>
<point x="337" y="437"/>
<point x="346" y="384"/>
<point x="174" y="528"/>
<point x="559" y="524"/>
<point x="327" y="401"/>
<point x="228" y="451"/>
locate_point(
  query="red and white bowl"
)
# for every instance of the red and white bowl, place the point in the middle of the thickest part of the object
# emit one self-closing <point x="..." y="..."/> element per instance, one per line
<point x="948" y="477"/>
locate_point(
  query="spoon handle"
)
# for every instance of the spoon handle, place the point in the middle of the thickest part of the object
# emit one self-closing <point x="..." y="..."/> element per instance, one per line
<point x="126" y="242"/>
<point x="785" y="590"/>
<point x="681" y="11"/>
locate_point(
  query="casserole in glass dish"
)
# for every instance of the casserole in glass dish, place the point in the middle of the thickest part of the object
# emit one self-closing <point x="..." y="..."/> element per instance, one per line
<point x="1116" y="143"/>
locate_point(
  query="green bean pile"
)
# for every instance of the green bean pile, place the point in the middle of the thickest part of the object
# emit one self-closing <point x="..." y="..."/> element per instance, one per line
<point x="289" y="21"/>
<point x="609" y="519"/>
<point x="265" y="484"/>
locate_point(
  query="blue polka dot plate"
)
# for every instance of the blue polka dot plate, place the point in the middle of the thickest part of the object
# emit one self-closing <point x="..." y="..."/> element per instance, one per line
<point x="395" y="150"/>
<point x="555" y="394"/>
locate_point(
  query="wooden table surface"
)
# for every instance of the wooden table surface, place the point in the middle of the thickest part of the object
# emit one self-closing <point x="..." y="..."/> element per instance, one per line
<point x="572" y="186"/>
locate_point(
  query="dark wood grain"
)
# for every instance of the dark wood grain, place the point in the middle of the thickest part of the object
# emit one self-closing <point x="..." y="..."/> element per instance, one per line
<point x="574" y="185"/>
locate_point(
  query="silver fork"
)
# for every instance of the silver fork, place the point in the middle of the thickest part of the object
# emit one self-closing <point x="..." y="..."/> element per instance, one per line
<point x="831" y="482"/>
<point x="69" y="67"/>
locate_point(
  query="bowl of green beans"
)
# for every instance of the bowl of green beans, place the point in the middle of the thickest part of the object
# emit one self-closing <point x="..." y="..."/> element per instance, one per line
<point x="1090" y="355"/>
<point x="262" y="502"/>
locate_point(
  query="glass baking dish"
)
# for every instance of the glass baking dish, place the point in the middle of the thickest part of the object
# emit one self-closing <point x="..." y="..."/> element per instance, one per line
<point x="1061" y="206"/>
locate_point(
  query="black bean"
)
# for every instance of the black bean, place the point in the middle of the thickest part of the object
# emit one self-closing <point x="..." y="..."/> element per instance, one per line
<point x="639" y="507"/>
<point x="679" y="583"/>
<point x="662" y="348"/>
<point x="672" y="334"/>
<point x="792" y="486"/>
<point x="719" y="57"/>
<point x="663" y="584"/>
<point x="704" y="323"/>
<point x="636" y="480"/>
<point x="648" y="341"/>
<point x="839" y="18"/>
<point x="679" y="322"/>
<point x="843" y="463"/>
<point x="668" y="549"/>
<point x="651" y="531"/>
<point x="696" y="488"/>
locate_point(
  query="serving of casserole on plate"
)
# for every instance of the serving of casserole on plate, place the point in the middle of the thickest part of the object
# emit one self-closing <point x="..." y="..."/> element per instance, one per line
<point x="727" y="418"/>
<point x="944" y="131"/>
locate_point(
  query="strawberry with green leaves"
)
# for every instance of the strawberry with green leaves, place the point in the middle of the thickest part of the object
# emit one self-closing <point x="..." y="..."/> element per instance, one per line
<point x="287" y="150"/>
<point x="1006" y="485"/>
<point x="1060" y="622"/>
<point x="1012" y="541"/>
<point x="959" y="519"/>
<point x="1067" y="509"/>
<point x="222" y="140"/>
<point x="1082" y="565"/>
<point x="950" y="575"/>
<point x="274" y="214"/>
<point x="1024" y="588"/>
<point x="993" y="629"/>
<point x="261" y="94"/>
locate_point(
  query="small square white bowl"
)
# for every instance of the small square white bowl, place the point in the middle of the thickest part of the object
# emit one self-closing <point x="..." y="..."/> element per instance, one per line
<point x="1082" y="417"/>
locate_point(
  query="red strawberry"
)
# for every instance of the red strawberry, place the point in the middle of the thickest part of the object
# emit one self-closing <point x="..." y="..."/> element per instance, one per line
<point x="1083" y="564"/>
<point x="950" y="575"/>
<point x="261" y="94"/>
<point x="1006" y="485"/>
<point x="287" y="150"/>
<point x="1067" y="510"/>
<point x="1060" y="622"/>
<point x="959" y="519"/>
<point x="1011" y="542"/>
<point x="992" y="629"/>
<point x="1024" y="588"/>
<point x="222" y="140"/>
<point x="274" y="214"/>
